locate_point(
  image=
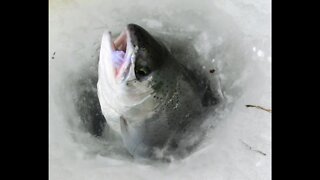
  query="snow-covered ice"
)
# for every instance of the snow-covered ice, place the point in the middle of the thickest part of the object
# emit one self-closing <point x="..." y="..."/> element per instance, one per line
<point x="232" y="35"/>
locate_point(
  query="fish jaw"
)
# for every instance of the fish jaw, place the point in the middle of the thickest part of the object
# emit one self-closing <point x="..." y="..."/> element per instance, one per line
<point x="118" y="56"/>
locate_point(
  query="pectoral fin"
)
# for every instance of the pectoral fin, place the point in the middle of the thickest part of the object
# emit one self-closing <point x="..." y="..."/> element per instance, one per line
<point x="128" y="136"/>
<point x="124" y="126"/>
<point x="133" y="140"/>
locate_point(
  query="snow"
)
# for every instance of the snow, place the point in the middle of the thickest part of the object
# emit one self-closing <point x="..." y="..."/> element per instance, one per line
<point x="232" y="35"/>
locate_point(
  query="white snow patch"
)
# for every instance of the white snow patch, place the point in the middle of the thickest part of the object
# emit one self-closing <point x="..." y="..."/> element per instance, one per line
<point x="223" y="32"/>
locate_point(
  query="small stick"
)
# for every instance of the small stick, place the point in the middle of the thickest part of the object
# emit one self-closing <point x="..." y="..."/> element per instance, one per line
<point x="250" y="147"/>
<point x="259" y="107"/>
<point x="53" y="55"/>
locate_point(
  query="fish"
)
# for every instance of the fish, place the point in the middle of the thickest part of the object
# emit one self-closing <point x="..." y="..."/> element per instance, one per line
<point x="153" y="101"/>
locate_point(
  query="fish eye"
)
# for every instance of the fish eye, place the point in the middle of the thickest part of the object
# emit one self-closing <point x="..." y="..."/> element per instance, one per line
<point x="143" y="71"/>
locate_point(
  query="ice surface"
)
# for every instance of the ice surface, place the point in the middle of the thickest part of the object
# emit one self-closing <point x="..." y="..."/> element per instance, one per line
<point x="232" y="36"/>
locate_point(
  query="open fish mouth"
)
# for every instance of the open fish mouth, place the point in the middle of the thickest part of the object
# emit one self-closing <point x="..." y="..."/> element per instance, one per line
<point x="121" y="53"/>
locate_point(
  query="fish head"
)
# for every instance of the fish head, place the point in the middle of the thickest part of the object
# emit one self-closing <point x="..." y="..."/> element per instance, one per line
<point x="133" y="71"/>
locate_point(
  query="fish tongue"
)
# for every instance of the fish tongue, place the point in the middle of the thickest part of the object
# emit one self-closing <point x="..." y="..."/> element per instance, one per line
<point x="118" y="58"/>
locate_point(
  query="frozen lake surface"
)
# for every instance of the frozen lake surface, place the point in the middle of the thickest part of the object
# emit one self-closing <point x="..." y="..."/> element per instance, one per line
<point x="231" y="36"/>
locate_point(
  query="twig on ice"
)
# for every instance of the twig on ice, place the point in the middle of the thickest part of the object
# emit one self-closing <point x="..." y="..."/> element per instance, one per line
<point x="54" y="53"/>
<point x="259" y="107"/>
<point x="251" y="148"/>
